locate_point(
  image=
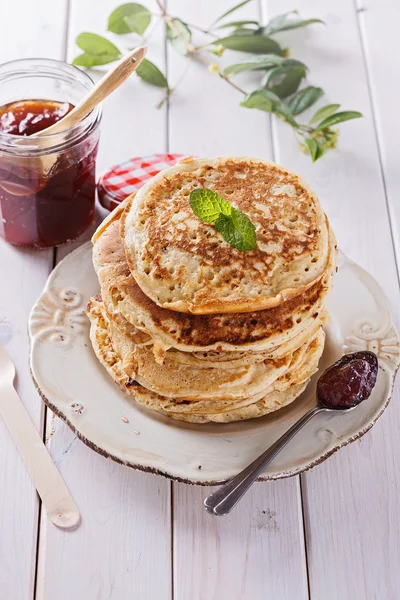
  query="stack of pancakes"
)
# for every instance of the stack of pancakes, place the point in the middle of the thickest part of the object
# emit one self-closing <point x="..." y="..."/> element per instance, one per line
<point x="195" y="329"/>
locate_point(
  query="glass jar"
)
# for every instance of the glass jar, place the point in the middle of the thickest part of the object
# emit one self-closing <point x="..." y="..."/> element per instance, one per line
<point x="47" y="183"/>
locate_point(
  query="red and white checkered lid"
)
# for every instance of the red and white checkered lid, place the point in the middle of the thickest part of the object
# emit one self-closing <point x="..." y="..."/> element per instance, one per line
<point x="122" y="180"/>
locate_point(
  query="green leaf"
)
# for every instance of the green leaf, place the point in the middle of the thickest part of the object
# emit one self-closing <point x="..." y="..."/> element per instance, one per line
<point x="181" y="41"/>
<point x="234" y="226"/>
<point x="257" y="44"/>
<point x="284" y="81"/>
<point x="276" y="23"/>
<point x="94" y="44"/>
<point x="316" y="150"/>
<point x="304" y="99"/>
<point x="151" y="74"/>
<point x="324" y="112"/>
<point x="230" y="11"/>
<point x="257" y="99"/>
<point x="299" y="24"/>
<point x="236" y="24"/>
<point x="339" y="117"/>
<point x="269" y="102"/>
<point x="281" y="23"/>
<point x="254" y="63"/>
<point x="244" y="31"/>
<point x="93" y="60"/>
<point x="237" y="230"/>
<point x="208" y="205"/>
<point x="128" y="18"/>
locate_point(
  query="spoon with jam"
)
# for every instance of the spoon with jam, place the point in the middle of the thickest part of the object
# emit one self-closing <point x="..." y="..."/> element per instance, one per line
<point x="342" y="387"/>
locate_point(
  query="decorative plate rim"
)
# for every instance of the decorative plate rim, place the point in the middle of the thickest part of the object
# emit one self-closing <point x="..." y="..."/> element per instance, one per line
<point x="154" y="471"/>
<point x="391" y="373"/>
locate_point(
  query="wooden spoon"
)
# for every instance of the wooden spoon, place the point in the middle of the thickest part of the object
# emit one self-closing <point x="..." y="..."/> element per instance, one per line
<point x="103" y="88"/>
<point x="60" y="507"/>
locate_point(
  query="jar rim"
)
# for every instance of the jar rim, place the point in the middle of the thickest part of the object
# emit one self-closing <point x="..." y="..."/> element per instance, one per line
<point x="52" y="142"/>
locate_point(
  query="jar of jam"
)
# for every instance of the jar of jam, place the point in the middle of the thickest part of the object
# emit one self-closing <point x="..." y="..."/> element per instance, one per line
<point x="47" y="182"/>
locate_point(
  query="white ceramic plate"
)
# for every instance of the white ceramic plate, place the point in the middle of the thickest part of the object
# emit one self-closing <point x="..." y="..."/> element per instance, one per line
<point x="77" y="388"/>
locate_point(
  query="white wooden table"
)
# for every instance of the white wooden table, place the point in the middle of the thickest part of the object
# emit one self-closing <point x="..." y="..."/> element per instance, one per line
<point x="332" y="533"/>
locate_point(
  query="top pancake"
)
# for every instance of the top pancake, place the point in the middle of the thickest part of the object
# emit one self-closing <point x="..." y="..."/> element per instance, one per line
<point x="185" y="265"/>
<point x="284" y="327"/>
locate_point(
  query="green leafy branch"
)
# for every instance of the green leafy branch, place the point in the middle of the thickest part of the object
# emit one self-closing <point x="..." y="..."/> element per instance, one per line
<point x="282" y="89"/>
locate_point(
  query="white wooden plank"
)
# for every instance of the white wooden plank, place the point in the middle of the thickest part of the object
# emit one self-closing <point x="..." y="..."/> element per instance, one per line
<point x="352" y="501"/>
<point x="34" y="32"/>
<point x="378" y="21"/>
<point x="126" y="525"/>
<point x="247" y="554"/>
<point x="122" y="547"/>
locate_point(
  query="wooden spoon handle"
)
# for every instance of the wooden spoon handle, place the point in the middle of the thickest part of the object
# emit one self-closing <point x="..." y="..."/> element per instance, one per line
<point x="107" y="84"/>
<point x="57" y="500"/>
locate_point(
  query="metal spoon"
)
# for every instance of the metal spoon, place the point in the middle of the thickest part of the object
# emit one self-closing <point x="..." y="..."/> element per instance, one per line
<point x="329" y="398"/>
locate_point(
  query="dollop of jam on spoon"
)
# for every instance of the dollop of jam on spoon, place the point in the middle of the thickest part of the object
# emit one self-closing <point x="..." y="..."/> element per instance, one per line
<point x="342" y="387"/>
<point x="348" y="381"/>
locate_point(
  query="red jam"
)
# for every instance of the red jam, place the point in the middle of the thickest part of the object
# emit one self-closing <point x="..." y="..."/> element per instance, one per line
<point x="348" y="381"/>
<point x="42" y="208"/>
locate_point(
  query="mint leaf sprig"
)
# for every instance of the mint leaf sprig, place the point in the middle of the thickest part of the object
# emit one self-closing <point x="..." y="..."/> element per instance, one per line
<point x="234" y="226"/>
<point x="282" y="90"/>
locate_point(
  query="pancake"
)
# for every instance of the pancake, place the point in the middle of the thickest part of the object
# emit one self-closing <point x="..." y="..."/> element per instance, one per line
<point x="190" y="382"/>
<point x="259" y="331"/>
<point x="185" y="265"/>
<point x="197" y="412"/>
<point x="211" y="359"/>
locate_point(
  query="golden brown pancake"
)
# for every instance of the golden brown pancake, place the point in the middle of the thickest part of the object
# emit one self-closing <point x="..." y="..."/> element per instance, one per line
<point x="185" y="265"/>
<point x="262" y="331"/>
<point x="200" y="411"/>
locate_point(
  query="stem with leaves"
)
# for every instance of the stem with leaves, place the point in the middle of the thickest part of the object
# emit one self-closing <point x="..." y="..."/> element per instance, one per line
<point x="281" y="89"/>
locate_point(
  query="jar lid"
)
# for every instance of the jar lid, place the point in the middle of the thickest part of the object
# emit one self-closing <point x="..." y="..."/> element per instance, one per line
<point x="122" y="180"/>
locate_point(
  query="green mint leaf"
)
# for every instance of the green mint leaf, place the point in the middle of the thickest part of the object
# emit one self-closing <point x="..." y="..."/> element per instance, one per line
<point x="129" y="18"/>
<point x="179" y="42"/>
<point x="285" y="80"/>
<point x="230" y="11"/>
<point x="151" y="74"/>
<point x="304" y="99"/>
<point x="339" y="117"/>
<point x="256" y="44"/>
<point x="94" y="44"/>
<point x="208" y="205"/>
<point x="234" y="226"/>
<point x="316" y="150"/>
<point x="94" y="60"/>
<point x="254" y="63"/>
<point x="237" y="230"/>
<point x="324" y="112"/>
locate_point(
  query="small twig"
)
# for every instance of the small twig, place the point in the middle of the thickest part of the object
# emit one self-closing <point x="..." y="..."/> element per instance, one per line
<point x="236" y="87"/>
<point x="306" y="128"/>
<point x="172" y="26"/>
<point x="170" y="91"/>
<point x="193" y="26"/>
<point x="192" y="50"/>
